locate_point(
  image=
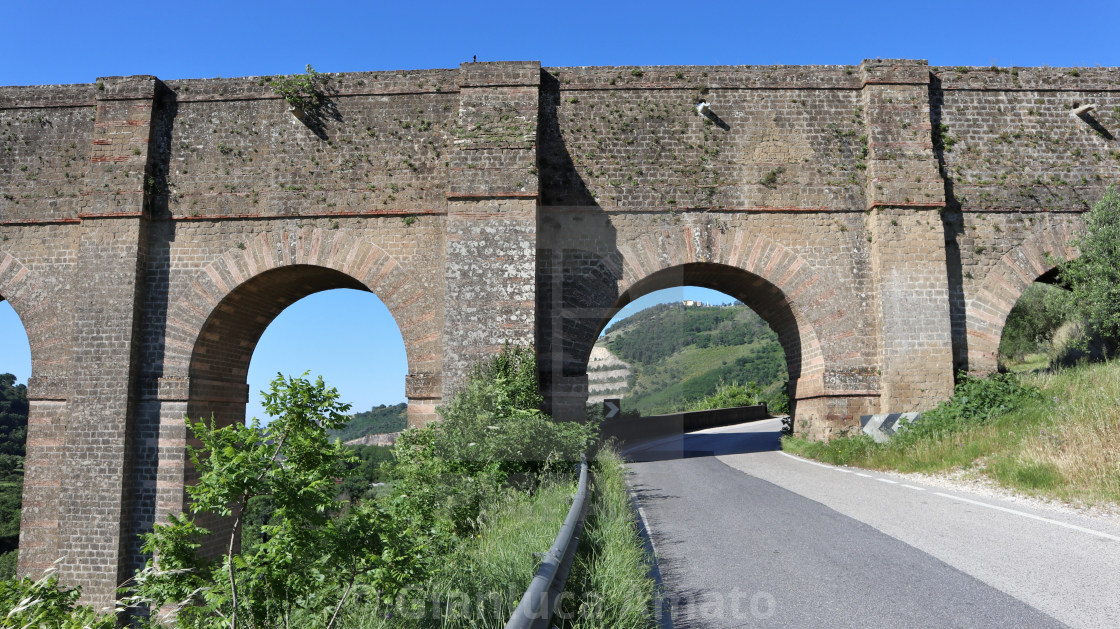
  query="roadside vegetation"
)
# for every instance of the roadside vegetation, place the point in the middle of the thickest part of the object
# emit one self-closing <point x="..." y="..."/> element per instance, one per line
<point x="1050" y="425"/>
<point x="1050" y="434"/>
<point x="447" y="533"/>
<point x="610" y="585"/>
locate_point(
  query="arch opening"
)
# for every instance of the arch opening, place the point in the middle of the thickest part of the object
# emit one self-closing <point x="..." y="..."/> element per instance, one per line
<point x="1039" y="328"/>
<point x="15" y="370"/>
<point x="222" y="364"/>
<point x="759" y="295"/>
<point x="1025" y="282"/>
<point x="687" y="349"/>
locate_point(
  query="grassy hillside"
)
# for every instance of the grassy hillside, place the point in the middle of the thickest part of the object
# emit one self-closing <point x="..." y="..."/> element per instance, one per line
<point x="378" y="420"/>
<point x="681" y="354"/>
<point x="1054" y="434"/>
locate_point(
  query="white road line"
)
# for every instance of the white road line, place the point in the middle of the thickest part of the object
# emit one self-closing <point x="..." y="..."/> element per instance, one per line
<point x="649" y="534"/>
<point x="1031" y="516"/>
<point x="887" y="480"/>
<point x="1072" y="527"/>
<point x="797" y="458"/>
<point x="913" y="487"/>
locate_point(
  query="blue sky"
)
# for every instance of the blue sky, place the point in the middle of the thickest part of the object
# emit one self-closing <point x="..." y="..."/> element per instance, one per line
<point x="347" y="335"/>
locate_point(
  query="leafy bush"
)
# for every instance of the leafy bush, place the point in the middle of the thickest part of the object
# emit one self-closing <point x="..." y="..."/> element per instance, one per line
<point x="778" y="402"/>
<point x="1094" y="277"/>
<point x="42" y="603"/>
<point x="728" y="395"/>
<point x="310" y="552"/>
<point x="974" y="400"/>
<point x="8" y="563"/>
<point x="493" y="434"/>
<point x="301" y="91"/>
<point x="309" y="559"/>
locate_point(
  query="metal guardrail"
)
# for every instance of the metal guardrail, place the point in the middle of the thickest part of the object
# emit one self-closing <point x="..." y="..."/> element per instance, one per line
<point x="539" y="602"/>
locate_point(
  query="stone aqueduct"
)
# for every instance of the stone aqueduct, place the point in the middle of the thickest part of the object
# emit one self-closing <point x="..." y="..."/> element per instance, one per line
<point x="883" y="218"/>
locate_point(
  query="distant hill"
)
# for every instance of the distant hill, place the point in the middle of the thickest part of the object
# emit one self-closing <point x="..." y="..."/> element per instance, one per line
<point x="679" y="354"/>
<point x="378" y="420"/>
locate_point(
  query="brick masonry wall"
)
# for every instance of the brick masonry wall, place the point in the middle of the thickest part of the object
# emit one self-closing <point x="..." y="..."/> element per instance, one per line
<point x="630" y="138"/>
<point x="883" y="217"/>
<point x="1020" y="170"/>
<point x="491" y="220"/>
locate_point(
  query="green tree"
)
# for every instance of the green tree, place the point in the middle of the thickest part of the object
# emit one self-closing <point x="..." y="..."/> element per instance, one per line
<point x="1094" y="277"/>
<point x="310" y="552"/>
<point x="1031" y="324"/>
<point x="13" y="437"/>
<point x="13" y="419"/>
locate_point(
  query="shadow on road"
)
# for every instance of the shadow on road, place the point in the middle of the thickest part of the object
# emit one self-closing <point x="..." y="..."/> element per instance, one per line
<point x="694" y="445"/>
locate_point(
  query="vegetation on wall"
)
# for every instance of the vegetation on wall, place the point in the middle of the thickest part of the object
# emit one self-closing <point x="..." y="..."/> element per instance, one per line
<point x="303" y="92"/>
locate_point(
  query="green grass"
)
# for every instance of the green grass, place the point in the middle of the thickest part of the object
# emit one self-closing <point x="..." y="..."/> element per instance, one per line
<point x="1062" y="444"/>
<point x="1029" y="363"/>
<point x="610" y="584"/>
<point x="485" y="576"/>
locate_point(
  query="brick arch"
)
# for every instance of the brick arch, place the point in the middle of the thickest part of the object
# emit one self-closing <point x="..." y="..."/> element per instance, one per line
<point x="214" y="327"/>
<point x="776" y="282"/>
<point x="268" y="273"/>
<point x="47" y="392"/>
<point x="20" y="288"/>
<point x="986" y="312"/>
<point x="786" y="282"/>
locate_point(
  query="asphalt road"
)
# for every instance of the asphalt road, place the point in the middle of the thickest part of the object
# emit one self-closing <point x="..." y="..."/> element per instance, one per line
<point x="747" y="536"/>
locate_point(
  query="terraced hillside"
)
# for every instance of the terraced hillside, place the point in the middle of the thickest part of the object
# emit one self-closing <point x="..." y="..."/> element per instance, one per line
<point x="607" y="375"/>
<point x="678" y="354"/>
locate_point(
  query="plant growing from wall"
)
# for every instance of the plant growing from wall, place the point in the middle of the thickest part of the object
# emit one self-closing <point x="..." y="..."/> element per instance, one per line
<point x="304" y="93"/>
<point x="770" y="179"/>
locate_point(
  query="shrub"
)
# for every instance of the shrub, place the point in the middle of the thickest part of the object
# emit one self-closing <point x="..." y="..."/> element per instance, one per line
<point x="493" y="434"/>
<point x="301" y="91"/>
<point x="310" y="551"/>
<point x="978" y="399"/>
<point x="42" y="603"/>
<point x="728" y="395"/>
<point x="1094" y="277"/>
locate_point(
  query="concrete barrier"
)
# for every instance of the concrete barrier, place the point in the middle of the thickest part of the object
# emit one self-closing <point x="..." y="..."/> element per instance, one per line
<point x="633" y="429"/>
